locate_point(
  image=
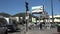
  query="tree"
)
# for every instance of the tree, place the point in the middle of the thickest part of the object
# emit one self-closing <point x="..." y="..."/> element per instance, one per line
<point x="5" y="14"/>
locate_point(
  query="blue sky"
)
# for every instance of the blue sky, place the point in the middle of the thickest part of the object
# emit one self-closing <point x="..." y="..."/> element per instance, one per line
<point x="18" y="6"/>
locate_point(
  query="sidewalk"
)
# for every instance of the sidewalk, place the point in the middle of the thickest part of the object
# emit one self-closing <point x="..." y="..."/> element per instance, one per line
<point x="40" y="31"/>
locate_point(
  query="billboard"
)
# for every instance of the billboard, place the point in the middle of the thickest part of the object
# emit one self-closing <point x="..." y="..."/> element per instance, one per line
<point x="37" y="9"/>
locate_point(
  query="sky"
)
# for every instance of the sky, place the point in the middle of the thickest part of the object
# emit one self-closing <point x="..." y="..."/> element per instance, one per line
<point x="17" y="6"/>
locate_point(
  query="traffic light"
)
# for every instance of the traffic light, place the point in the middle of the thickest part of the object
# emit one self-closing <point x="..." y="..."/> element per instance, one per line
<point x="26" y="6"/>
<point x="26" y="3"/>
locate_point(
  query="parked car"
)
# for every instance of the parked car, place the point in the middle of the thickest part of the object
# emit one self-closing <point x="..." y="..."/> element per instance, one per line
<point x="10" y="25"/>
<point x="3" y="27"/>
<point x="58" y="27"/>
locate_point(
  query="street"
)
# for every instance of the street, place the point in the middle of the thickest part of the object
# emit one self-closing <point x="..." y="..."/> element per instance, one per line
<point x="29" y="16"/>
<point x="36" y="31"/>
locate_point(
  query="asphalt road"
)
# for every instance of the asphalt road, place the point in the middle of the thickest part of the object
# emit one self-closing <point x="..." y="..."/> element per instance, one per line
<point x="36" y="31"/>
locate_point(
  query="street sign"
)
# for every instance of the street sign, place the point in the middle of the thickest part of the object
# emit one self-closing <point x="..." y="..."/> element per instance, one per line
<point x="27" y="17"/>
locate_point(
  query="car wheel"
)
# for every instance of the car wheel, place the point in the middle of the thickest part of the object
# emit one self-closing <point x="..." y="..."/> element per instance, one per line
<point x="6" y="32"/>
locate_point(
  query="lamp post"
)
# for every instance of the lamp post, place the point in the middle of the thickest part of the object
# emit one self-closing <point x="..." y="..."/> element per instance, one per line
<point x="52" y="11"/>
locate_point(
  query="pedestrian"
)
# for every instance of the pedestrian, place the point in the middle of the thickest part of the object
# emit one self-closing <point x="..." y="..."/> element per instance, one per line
<point x="40" y="26"/>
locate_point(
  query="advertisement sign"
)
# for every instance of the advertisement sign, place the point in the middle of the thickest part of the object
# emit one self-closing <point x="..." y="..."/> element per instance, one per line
<point x="37" y="9"/>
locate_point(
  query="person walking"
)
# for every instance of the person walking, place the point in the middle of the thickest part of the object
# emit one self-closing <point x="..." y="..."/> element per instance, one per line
<point x="40" y="26"/>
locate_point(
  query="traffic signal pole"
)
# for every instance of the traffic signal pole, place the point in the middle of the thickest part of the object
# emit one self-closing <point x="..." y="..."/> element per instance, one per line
<point x="27" y="16"/>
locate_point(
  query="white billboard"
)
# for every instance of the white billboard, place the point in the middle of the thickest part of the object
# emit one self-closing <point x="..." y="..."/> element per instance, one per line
<point x="37" y="9"/>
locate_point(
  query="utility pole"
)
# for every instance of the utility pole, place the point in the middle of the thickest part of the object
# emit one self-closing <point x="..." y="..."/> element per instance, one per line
<point x="52" y="11"/>
<point x="27" y="15"/>
<point x="43" y="14"/>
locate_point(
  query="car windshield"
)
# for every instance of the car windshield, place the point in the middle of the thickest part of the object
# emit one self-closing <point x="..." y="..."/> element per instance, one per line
<point x="10" y="21"/>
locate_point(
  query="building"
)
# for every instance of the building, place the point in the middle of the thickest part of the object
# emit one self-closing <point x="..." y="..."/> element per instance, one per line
<point x="56" y="18"/>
